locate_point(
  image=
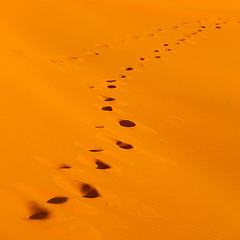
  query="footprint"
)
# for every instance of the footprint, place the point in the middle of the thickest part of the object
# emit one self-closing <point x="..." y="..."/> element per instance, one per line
<point x="99" y="126"/>
<point x="142" y="59"/>
<point x="96" y="150"/>
<point x="101" y="165"/>
<point x="57" y="200"/>
<point x="124" y="145"/>
<point x="39" y="216"/>
<point x="129" y="68"/>
<point x="165" y="45"/>
<point x="107" y="108"/>
<point x="52" y="163"/>
<point x="89" y="191"/>
<point x="156" y="50"/>
<point x="38" y="213"/>
<point x="64" y="166"/>
<point x="111" y="81"/>
<point x="157" y="57"/>
<point x="127" y="123"/>
<point x="107" y="99"/>
<point x="111" y="86"/>
<point x="123" y="76"/>
<point x="218" y="27"/>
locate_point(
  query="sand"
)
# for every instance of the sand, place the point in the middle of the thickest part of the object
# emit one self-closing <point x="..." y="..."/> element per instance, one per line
<point x="119" y="120"/>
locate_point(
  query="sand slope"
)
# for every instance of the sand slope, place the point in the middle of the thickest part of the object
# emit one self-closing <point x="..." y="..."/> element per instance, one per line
<point x="119" y="121"/>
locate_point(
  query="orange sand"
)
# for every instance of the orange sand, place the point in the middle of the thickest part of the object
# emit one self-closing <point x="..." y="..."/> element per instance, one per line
<point x="71" y="169"/>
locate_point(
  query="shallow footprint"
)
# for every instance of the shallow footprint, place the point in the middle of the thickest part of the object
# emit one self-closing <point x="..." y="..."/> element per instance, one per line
<point x="64" y="166"/>
<point x="96" y="150"/>
<point x="111" y="80"/>
<point x="127" y="123"/>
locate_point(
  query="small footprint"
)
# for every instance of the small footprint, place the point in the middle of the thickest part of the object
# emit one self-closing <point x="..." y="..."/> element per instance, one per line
<point x="99" y="126"/>
<point x="107" y="99"/>
<point x="127" y="123"/>
<point x="111" y="81"/>
<point x="129" y="68"/>
<point x="107" y="108"/>
<point x="57" y="200"/>
<point x="124" y="145"/>
<point x="102" y="165"/>
<point x="38" y="213"/>
<point x="64" y="166"/>
<point x="88" y="191"/>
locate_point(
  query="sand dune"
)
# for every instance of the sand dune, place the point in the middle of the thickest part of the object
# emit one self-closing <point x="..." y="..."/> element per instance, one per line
<point x="120" y="120"/>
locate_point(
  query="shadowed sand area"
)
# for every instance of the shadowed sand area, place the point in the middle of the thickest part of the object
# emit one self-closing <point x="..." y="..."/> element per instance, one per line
<point x="119" y="120"/>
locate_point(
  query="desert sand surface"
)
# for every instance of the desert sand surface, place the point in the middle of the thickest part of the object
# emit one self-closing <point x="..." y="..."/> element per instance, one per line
<point x="120" y="120"/>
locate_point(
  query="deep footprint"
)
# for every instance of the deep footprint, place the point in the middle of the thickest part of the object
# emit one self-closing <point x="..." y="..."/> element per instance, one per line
<point x="107" y="108"/>
<point x="102" y="165"/>
<point x="89" y="192"/>
<point x="124" y="145"/>
<point x="127" y="123"/>
<point x="39" y="215"/>
<point x="57" y="200"/>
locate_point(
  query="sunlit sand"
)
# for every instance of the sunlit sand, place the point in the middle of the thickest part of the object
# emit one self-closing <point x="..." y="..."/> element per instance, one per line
<point x="120" y="120"/>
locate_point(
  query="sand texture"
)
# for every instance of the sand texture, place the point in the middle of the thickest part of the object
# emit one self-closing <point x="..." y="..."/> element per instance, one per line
<point x="119" y="120"/>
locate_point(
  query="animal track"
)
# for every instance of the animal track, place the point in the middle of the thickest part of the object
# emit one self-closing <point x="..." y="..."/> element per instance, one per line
<point x="124" y="145"/>
<point x="57" y="200"/>
<point x="111" y="86"/>
<point x="107" y="108"/>
<point x="101" y="165"/>
<point x="127" y="123"/>
<point x="88" y="191"/>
